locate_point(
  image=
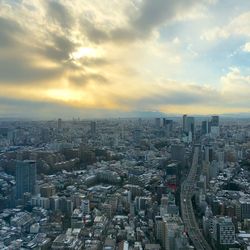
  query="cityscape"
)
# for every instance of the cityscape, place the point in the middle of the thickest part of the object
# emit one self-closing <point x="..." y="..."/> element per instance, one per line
<point x="124" y="125"/>
<point x="164" y="183"/>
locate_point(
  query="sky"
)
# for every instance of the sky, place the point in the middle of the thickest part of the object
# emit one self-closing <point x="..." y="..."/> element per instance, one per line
<point x="118" y="58"/>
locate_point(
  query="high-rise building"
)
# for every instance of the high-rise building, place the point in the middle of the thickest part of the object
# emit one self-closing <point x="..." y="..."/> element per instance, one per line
<point x="205" y="127"/>
<point x="168" y="124"/>
<point x="178" y="153"/>
<point x="215" y="121"/>
<point x="25" y="178"/>
<point x="59" y="124"/>
<point x="158" y="122"/>
<point x="215" y="129"/>
<point x="244" y="208"/>
<point x="224" y="231"/>
<point x="93" y="127"/>
<point x="190" y="125"/>
<point x="184" y="123"/>
<point x="170" y="232"/>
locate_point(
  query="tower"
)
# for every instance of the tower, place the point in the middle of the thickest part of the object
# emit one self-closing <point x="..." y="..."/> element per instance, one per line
<point x="93" y="127"/>
<point x="59" y="124"/>
<point x="25" y="178"/>
<point x="184" y="123"/>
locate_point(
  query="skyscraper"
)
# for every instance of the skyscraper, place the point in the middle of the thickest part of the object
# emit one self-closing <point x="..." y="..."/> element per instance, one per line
<point x="215" y="121"/>
<point x="205" y="127"/>
<point x="93" y="127"/>
<point x="59" y="124"/>
<point x="25" y="178"/>
<point x="215" y="129"/>
<point x="184" y="123"/>
<point x="158" y="122"/>
<point x="190" y="125"/>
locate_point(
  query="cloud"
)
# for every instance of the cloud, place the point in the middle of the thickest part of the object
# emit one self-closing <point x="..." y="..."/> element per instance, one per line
<point x="236" y="88"/>
<point x="246" y="47"/>
<point x="94" y="33"/>
<point x="60" y="48"/>
<point x="83" y="79"/>
<point x="154" y="13"/>
<point x="22" y="71"/>
<point x="59" y="14"/>
<point x="10" y="30"/>
<point x="120" y="55"/>
<point x="142" y="21"/>
<point x="238" y="26"/>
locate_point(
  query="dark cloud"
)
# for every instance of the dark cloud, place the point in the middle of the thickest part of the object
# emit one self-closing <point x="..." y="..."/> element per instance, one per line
<point x="19" y="108"/>
<point x="19" y="70"/>
<point x="86" y="61"/>
<point x="94" y="33"/>
<point x="59" y="14"/>
<point x="188" y="95"/>
<point x="60" y="49"/>
<point x="9" y="32"/>
<point x="149" y="16"/>
<point x="84" y="79"/>
<point x="18" y="56"/>
<point x="154" y="13"/>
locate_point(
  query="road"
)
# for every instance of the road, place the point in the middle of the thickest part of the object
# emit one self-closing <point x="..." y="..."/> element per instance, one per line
<point x="187" y="190"/>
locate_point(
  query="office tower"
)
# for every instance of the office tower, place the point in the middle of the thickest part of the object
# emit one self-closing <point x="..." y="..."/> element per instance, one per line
<point x="205" y="127"/>
<point x="244" y="203"/>
<point x="169" y="232"/>
<point x="160" y="228"/>
<point x="158" y="122"/>
<point x="207" y="221"/>
<point x="208" y="153"/>
<point x="168" y="124"/>
<point x="25" y="178"/>
<point x="59" y="124"/>
<point x="214" y="170"/>
<point x="215" y="121"/>
<point x="215" y="130"/>
<point x="93" y="128"/>
<point x="190" y="125"/>
<point x="224" y="231"/>
<point x="184" y="123"/>
<point x="221" y="159"/>
<point x="178" y="153"/>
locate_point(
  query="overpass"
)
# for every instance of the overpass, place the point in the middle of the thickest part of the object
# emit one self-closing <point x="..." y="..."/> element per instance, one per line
<point x="187" y="211"/>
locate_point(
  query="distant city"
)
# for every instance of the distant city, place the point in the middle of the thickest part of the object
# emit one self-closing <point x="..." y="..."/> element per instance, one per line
<point x="165" y="183"/>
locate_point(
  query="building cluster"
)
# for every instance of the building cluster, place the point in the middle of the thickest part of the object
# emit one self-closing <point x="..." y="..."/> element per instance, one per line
<point x="115" y="184"/>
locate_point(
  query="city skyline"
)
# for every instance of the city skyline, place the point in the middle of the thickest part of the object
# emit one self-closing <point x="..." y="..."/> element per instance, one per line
<point x="123" y="58"/>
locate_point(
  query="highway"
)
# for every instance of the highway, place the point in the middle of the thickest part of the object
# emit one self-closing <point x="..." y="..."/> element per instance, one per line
<point x="187" y="190"/>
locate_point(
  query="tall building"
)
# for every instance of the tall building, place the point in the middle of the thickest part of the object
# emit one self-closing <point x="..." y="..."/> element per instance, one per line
<point x="244" y="208"/>
<point x="184" y="123"/>
<point x="215" y="129"/>
<point x="93" y="127"/>
<point x="59" y="124"/>
<point x="158" y="122"/>
<point x="224" y="231"/>
<point x="215" y="121"/>
<point x="178" y="153"/>
<point x="25" y="178"/>
<point x="205" y="127"/>
<point x="190" y="125"/>
<point x="170" y="232"/>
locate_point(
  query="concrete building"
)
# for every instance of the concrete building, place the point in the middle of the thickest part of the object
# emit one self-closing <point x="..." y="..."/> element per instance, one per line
<point x="25" y="178"/>
<point x="223" y="231"/>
